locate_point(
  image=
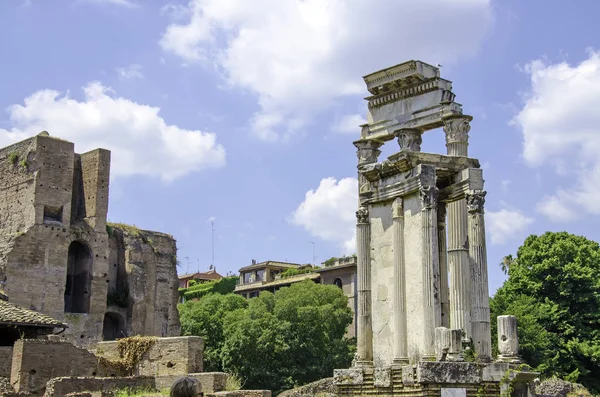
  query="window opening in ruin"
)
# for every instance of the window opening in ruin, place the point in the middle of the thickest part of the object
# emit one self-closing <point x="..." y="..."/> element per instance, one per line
<point x="338" y="282"/>
<point x="113" y="327"/>
<point x="53" y="214"/>
<point x="79" y="268"/>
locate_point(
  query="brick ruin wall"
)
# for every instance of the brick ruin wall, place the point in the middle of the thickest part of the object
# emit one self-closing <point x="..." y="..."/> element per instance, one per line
<point x="5" y="361"/>
<point x="51" y="197"/>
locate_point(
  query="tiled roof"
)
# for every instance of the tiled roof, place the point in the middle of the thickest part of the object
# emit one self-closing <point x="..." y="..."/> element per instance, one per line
<point x="271" y="263"/>
<point x="210" y="275"/>
<point x="15" y="315"/>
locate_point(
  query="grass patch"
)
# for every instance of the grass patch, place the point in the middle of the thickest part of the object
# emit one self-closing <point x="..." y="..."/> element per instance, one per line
<point x="233" y="383"/>
<point x="130" y="230"/>
<point x="13" y="158"/>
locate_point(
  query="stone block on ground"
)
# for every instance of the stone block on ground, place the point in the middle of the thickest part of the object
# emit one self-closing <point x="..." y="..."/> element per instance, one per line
<point x="322" y="388"/>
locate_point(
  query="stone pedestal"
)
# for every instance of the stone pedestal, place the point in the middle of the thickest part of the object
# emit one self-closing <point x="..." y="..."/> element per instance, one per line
<point x="399" y="303"/>
<point x="459" y="267"/>
<point x="364" y="338"/>
<point x="448" y="344"/>
<point x="480" y="306"/>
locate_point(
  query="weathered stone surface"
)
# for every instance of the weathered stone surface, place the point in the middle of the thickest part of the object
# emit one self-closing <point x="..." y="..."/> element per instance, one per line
<point x="323" y="388"/>
<point x="351" y="376"/>
<point x="382" y="377"/>
<point x="448" y="372"/>
<point x="57" y="258"/>
<point x="211" y="381"/>
<point x="59" y="387"/>
<point x="241" y="393"/>
<point x="5" y="361"/>
<point x="5" y="386"/>
<point x="555" y="387"/>
<point x="494" y="372"/>
<point x="409" y="374"/>
<point x="453" y="392"/>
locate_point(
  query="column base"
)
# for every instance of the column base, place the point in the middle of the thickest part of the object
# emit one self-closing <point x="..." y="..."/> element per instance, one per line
<point x="399" y="362"/>
<point x="362" y="364"/>
<point x="509" y="359"/>
<point x="429" y="357"/>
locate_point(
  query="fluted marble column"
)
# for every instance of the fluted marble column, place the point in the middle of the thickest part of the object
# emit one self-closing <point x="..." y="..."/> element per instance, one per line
<point x="508" y="340"/>
<point x="459" y="267"/>
<point x="480" y="305"/>
<point x="364" y="338"/>
<point x="457" y="135"/>
<point x="431" y="270"/>
<point x="399" y="303"/>
<point x="444" y="294"/>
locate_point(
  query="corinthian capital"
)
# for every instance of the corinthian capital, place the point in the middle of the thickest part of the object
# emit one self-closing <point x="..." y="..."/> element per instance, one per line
<point x="457" y="129"/>
<point x="429" y="196"/>
<point x="367" y="151"/>
<point x="475" y="201"/>
<point x="362" y="215"/>
<point x="409" y="140"/>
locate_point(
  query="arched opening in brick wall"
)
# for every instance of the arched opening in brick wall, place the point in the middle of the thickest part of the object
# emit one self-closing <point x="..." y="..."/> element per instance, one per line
<point x="78" y="285"/>
<point x="113" y="327"/>
<point x="338" y="282"/>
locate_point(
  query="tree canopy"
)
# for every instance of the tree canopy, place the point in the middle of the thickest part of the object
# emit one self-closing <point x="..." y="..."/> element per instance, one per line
<point x="275" y="341"/>
<point x="553" y="288"/>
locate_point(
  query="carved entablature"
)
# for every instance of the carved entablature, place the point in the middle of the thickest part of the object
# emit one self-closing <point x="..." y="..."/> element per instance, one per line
<point x="475" y="201"/>
<point x="429" y="196"/>
<point x="362" y="215"/>
<point x="457" y="129"/>
<point x="367" y="151"/>
<point x="409" y="140"/>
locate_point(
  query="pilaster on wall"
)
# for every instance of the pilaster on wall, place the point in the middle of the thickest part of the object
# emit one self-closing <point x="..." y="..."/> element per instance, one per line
<point x="95" y="167"/>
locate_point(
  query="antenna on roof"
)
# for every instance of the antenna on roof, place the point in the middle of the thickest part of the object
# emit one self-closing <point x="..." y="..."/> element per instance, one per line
<point x="212" y="227"/>
<point x="314" y="258"/>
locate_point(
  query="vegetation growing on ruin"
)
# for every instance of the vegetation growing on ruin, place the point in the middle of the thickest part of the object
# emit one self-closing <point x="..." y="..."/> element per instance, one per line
<point x="23" y="163"/>
<point x="275" y="341"/>
<point x="553" y="289"/>
<point x="226" y="285"/>
<point x="130" y="230"/>
<point x="13" y="158"/>
<point x="118" y="297"/>
<point x="131" y="350"/>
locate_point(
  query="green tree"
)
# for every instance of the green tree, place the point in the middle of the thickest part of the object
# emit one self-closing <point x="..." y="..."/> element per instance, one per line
<point x="553" y="288"/>
<point x="289" y="338"/>
<point x="205" y="318"/>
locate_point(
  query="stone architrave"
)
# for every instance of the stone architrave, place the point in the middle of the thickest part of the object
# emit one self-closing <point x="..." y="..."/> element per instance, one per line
<point x="431" y="270"/>
<point x="399" y="303"/>
<point x="457" y="135"/>
<point x="459" y="267"/>
<point x="364" y="337"/>
<point x="480" y="305"/>
<point x="443" y="253"/>
<point x="409" y="140"/>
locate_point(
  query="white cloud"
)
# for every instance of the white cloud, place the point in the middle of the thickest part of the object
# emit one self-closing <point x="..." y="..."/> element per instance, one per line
<point x="559" y="122"/>
<point x="329" y="212"/>
<point x="505" y="185"/>
<point x="505" y="224"/>
<point x="349" y="124"/>
<point x="141" y="142"/>
<point x="298" y="56"/>
<point x="130" y="72"/>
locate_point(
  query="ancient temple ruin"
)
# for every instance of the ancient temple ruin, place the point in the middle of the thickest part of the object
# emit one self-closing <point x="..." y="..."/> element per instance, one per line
<point x="422" y="265"/>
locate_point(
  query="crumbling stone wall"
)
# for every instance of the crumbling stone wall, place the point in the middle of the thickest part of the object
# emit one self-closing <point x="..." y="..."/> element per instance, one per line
<point x="53" y="206"/>
<point x="36" y="361"/>
<point x="166" y="356"/>
<point x="64" y="386"/>
<point x="5" y="361"/>
<point x="143" y="264"/>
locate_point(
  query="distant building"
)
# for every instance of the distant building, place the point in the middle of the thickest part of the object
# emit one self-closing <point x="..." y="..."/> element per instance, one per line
<point x="272" y="275"/>
<point x="211" y="275"/>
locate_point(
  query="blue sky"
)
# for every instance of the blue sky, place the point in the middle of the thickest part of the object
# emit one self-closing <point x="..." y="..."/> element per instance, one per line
<point x="245" y="112"/>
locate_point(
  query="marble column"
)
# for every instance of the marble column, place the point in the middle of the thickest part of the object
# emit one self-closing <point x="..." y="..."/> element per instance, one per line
<point x="480" y="305"/>
<point x="431" y="271"/>
<point x="508" y="340"/>
<point x="457" y="135"/>
<point x="364" y="337"/>
<point x="409" y="140"/>
<point x="459" y="267"/>
<point x="443" y="253"/>
<point x="399" y="302"/>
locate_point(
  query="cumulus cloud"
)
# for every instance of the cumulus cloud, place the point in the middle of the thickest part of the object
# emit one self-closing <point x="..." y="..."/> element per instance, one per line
<point x="141" y="142"/>
<point x="298" y="56"/>
<point x="130" y="72"/>
<point x="505" y="224"/>
<point x="328" y="212"/>
<point x="349" y="124"/>
<point x="559" y="121"/>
